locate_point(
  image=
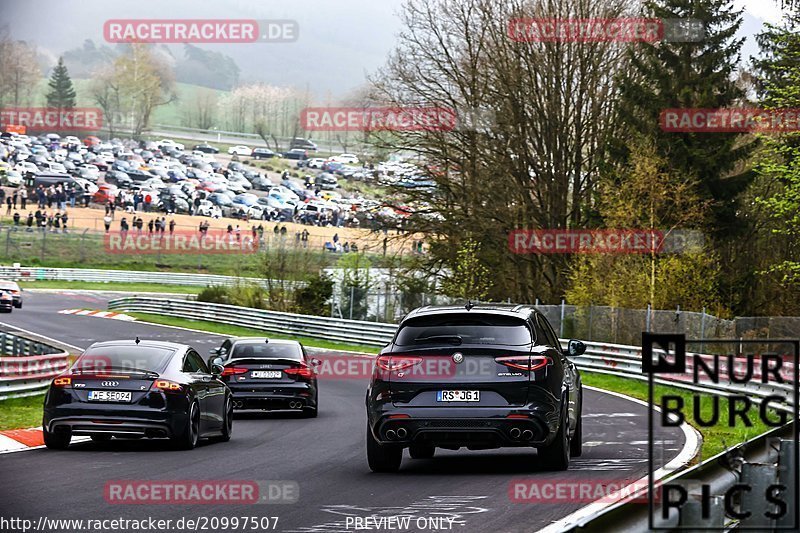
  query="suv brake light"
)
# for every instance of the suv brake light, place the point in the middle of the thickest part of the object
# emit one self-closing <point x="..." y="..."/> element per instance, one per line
<point x="395" y="363"/>
<point x="524" y="362"/>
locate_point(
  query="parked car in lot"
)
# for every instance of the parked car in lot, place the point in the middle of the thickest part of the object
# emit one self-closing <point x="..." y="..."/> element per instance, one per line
<point x="268" y="374"/>
<point x="240" y="150"/>
<point x="315" y="162"/>
<point x="348" y="159"/>
<point x="206" y="148"/>
<point x="479" y="376"/>
<point x="12" y="178"/>
<point x="261" y="183"/>
<point x="207" y="209"/>
<point x="133" y="388"/>
<point x="296" y="153"/>
<point x="262" y="153"/>
<point x="13" y="288"/>
<point x="326" y="181"/>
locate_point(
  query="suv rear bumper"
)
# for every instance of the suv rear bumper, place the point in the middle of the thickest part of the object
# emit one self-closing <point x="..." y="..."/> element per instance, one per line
<point x="492" y="427"/>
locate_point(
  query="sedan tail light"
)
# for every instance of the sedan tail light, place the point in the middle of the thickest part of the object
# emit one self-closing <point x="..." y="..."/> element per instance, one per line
<point x="524" y="362"/>
<point x="231" y="370"/>
<point x="396" y="363"/>
<point x="300" y="371"/>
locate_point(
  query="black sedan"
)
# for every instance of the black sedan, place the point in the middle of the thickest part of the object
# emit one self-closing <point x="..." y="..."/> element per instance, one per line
<point x="479" y="377"/>
<point x="138" y="389"/>
<point x="268" y="374"/>
<point x="206" y="148"/>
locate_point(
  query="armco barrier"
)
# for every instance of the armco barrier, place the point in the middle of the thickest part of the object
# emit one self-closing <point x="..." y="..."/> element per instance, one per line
<point x="334" y="329"/>
<point x="132" y="276"/>
<point x="27" y="366"/>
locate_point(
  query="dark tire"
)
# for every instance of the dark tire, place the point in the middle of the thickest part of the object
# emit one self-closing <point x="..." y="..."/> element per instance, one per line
<point x="421" y="451"/>
<point x="227" y="422"/>
<point x="190" y="436"/>
<point x="309" y="412"/>
<point x="555" y="456"/>
<point x="383" y="457"/>
<point x="58" y="440"/>
<point x="576" y="442"/>
<point x="101" y="438"/>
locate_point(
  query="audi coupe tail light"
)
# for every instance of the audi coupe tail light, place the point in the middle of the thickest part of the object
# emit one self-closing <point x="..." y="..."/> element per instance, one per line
<point x="167" y="385"/>
<point x="63" y="381"/>
<point x="524" y="362"/>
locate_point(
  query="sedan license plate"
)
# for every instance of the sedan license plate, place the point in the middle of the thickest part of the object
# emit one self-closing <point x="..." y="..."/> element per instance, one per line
<point x="109" y="396"/>
<point x="268" y="374"/>
<point x="458" y="396"/>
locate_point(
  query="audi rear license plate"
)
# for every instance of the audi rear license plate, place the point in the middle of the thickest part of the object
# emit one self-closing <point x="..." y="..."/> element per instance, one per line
<point x="109" y="396"/>
<point x="267" y="374"/>
<point x="458" y="396"/>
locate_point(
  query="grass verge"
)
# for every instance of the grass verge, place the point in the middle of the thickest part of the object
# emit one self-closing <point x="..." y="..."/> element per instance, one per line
<point x="238" y="331"/>
<point x="715" y="438"/>
<point x="111" y="286"/>
<point x="19" y="413"/>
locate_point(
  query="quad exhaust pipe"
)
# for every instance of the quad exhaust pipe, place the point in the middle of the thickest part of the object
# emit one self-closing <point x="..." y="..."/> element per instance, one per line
<point x="527" y="434"/>
<point x="238" y="403"/>
<point x="295" y="405"/>
<point x="515" y="433"/>
<point x="390" y="434"/>
<point x="401" y="433"/>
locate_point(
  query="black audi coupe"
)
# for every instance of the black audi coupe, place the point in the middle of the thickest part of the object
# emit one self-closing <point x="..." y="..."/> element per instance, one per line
<point x="480" y="377"/>
<point x="135" y="389"/>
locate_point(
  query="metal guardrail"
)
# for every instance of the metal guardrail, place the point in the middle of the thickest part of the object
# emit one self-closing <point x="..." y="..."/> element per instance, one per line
<point x="27" y="366"/>
<point x="334" y="329"/>
<point x="132" y="276"/>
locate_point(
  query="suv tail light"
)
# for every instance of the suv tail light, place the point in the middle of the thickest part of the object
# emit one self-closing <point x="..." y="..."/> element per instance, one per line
<point x="395" y="363"/>
<point x="524" y="362"/>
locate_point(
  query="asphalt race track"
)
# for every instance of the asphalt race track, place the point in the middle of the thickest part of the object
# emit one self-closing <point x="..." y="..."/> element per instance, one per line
<point x="325" y="456"/>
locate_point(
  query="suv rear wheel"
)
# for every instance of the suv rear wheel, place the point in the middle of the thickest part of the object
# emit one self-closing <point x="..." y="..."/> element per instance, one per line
<point x="383" y="457"/>
<point x="555" y="456"/>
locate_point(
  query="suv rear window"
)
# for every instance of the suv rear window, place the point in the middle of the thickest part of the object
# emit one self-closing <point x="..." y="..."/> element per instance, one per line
<point x="472" y="328"/>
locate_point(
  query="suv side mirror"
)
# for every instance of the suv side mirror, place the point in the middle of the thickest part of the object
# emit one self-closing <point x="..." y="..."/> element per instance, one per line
<point x="576" y="347"/>
<point x="217" y="370"/>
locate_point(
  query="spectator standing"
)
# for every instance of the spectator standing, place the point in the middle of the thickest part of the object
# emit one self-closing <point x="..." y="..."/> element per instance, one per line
<point x="23" y="198"/>
<point x="8" y="203"/>
<point x="107" y="222"/>
<point x="14" y="198"/>
<point x="171" y="227"/>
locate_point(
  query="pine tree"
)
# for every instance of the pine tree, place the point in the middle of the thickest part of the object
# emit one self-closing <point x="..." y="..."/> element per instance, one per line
<point x="62" y="93"/>
<point x="692" y="75"/>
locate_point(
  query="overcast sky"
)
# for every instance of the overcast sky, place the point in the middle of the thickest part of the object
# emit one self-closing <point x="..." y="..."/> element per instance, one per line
<point x="340" y="41"/>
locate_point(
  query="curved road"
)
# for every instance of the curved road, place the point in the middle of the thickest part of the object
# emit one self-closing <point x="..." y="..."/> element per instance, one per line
<point x="325" y="456"/>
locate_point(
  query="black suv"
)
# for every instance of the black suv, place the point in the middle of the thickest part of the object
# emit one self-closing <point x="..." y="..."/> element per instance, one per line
<point x="479" y="376"/>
